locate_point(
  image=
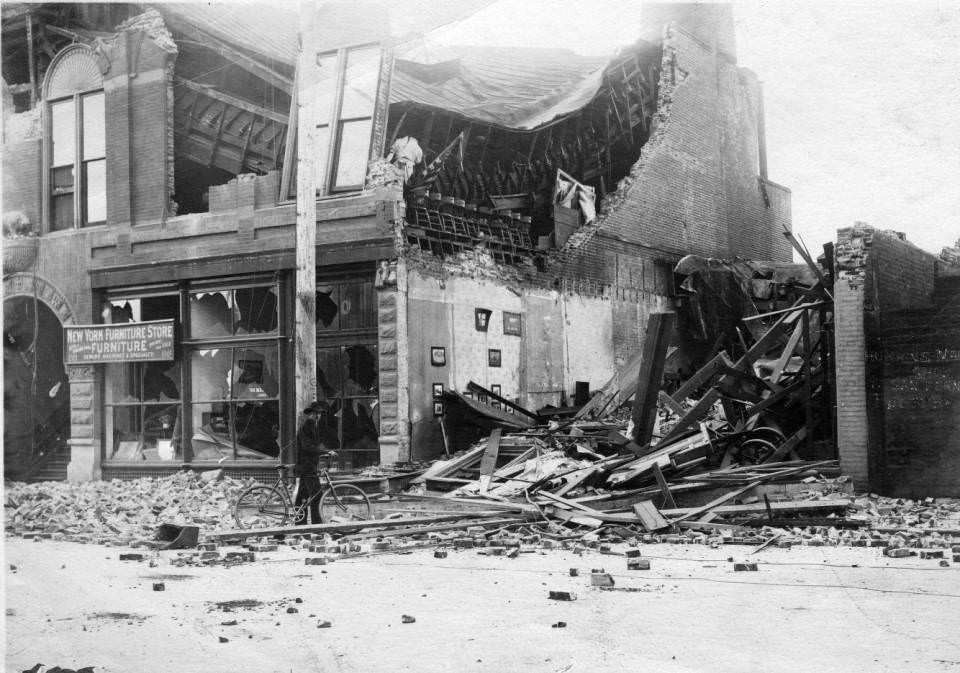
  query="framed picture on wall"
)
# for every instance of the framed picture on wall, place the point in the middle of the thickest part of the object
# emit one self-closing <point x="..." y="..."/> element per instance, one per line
<point x="493" y="357"/>
<point x="481" y="319"/>
<point x="438" y="356"/>
<point x="511" y="323"/>
<point x="437" y="408"/>
<point x="495" y="389"/>
<point x="437" y="389"/>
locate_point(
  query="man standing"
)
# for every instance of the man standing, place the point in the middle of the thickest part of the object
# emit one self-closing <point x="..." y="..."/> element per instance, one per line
<point x="310" y="447"/>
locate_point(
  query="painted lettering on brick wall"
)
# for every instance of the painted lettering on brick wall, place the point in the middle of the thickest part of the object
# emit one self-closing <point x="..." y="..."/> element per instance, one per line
<point x="919" y="357"/>
<point x="130" y="342"/>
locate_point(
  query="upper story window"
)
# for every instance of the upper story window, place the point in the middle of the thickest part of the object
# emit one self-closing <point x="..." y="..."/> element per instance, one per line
<point x="346" y="98"/>
<point x="75" y="151"/>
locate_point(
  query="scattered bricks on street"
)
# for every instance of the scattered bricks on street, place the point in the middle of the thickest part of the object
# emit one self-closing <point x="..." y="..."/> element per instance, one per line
<point x="632" y="553"/>
<point x="956" y="558"/>
<point x="744" y="567"/>
<point x="784" y="544"/>
<point x="638" y="564"/>
<point x="574" y="572"/>
<point x="263" y="547"/>
<point x="944" y="563"/>
<point x="597" y="570"/>
<point x="324" y="624"/>
<point x="159" y="586"/>
<point x="131" y="557"/>
<point x="463" y="543"/>
<point x="601" y="580"/>
<point x="209" y="555"/>
<point x="955" y="549"/>
<point x="931" y="554"/>
<point x="513" y="553"/>
<point x="878" y="543"/>
<point x="230" y="622"/>
<point x="292" y="610"/>
<point x="315" y="561"/>
<point x="380" y="546"/>
<point x="562" y="596"/>
<point x="407" y="619"/>
<point x="440" y="553"/>
<point x="559" y="625"/>
<point x="224" y="639"/>
<point x="207" y="546"/>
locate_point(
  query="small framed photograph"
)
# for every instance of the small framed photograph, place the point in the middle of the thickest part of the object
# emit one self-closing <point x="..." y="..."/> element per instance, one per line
<point x="437" y="389"/>
<point x="437" y="408"/>
<point x="493" y="357"/>
<point x="511" y="323"/>
<point x="438" y="356"/>
<point x="481" y="319"/>
<point x="495" y="389"/>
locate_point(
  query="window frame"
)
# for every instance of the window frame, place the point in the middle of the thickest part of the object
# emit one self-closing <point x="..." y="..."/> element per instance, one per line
<point x="326" y="175"/>
<point x="80" y="164"/>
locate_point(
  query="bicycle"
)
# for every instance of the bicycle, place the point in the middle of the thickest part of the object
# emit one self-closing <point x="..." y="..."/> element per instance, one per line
<point x="271" y="506"/>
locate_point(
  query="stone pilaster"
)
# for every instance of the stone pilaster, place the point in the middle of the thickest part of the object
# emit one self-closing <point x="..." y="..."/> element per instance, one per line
<point x="84" y="445"/>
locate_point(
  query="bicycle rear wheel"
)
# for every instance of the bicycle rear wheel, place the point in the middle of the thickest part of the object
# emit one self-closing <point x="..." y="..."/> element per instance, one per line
<point x="344" y="502"/>
<point x="261" y="507"/>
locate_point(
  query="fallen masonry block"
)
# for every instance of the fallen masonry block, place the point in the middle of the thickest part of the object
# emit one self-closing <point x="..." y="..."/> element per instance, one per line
<point x="562" y="596"/>
<point x="177" y="537"/>
<point x="632" y="553"/>
<point x="878" y="543"/>
<point x="956" y="558"/>
<point x="944" y="563"/>
<point x="324" y="624"/>
<point x="574" y="572"/>
<point x="744" y="567"/>
<point x="315" y="561"/>
<point x="559" y="625"/>
<point x="159" y="586"/>
<point x="224" y="640"/>
<point x="207" y="546"/>
<point x="638" y="564"/>
<point x="955" y="549"/>
<point x="292" y="610"/>
<point x="513" y="553"/>
<point x="380" y="546"/>
<point x="601" y="580"/>
<point x="784" y="544"/>
<point x="929" y="553"/>
<point x="898" y="552"/>
<point x="131" y="557"/>
<point x="463" y="543"/>
<point x="232" y="622"/>
<point x="240" y="556"/>
<point x="407" y="619"/>
<point x="440" y="553"/>
<point x="598" y="570"/>
<point x="209" y="555"/>
<point x="263" y="547"/>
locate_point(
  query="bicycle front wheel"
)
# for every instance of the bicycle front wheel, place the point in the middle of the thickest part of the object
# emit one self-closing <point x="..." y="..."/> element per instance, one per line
<point x="261" y="507"/>
<point x="344" y="502"/>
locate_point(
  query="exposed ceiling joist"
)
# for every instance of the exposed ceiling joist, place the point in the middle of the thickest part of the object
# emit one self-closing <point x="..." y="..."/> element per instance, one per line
<point x="232" y="100"/>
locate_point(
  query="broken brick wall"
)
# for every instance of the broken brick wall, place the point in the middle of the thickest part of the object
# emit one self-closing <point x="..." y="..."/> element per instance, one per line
<point x="696" y="187"/>
<point x="898" y="366"/>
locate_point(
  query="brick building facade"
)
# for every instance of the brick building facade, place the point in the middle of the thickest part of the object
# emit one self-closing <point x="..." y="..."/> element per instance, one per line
<point x="201" y="225"/>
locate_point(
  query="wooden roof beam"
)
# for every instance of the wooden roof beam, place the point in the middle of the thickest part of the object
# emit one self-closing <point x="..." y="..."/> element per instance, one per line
<point x="216" y="94"/>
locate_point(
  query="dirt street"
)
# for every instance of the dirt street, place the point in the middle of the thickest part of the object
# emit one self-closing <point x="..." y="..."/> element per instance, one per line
<point x="809" y="608"/>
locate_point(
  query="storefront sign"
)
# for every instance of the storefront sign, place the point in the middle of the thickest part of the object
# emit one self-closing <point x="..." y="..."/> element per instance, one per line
<point x="127" y="342"/>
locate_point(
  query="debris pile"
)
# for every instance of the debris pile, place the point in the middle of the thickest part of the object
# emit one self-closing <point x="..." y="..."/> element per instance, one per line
<point x="120" y="512"/>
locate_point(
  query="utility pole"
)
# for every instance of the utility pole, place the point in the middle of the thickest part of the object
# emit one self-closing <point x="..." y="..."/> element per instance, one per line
<point x="305" y="308"/>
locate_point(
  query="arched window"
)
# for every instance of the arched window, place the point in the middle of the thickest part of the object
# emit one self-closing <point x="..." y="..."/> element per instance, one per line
<point x="75" y="150"/>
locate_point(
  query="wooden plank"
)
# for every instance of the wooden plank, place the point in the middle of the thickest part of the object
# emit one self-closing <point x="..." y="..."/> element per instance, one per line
<point x="439" y="528"/>
<point x="580" y="519"/>
<point x="695" y="414"/>
<point x="489" y="460"/>
<point x="701" y="376"/>
<point x="450" y="467"/>
<point x="574" y="479"/>
<point x="671" y="403"/>
<point x="345" y="526"/>
<point x="664" y="488"/>
<point x="597" y="514"/>
<point x="713" y="504"/>
<point x="711" y="526"/>
<point x="649" y="516"/>
<point x="661" y="457"/>
<point x="611" y="388"/>
<point x="232" y="101"/>
<point x="761" y="508"/>
<point x="659" y="330"/>
<point x="477" y="388"/>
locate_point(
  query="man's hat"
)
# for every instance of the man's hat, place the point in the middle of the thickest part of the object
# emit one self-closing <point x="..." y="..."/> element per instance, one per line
<point x="316" y="408"/>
